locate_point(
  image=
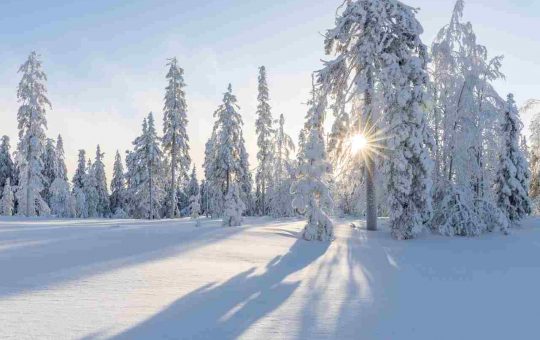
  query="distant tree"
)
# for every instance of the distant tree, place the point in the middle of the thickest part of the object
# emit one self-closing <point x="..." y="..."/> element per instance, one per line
<point x="32" y="125"/>
<point x="175" y="138"/>
<point x="234" y="207"/>
<point x="265" y="133"/>
<point x="103" y="203"/>
<point x="7" y="168"/>
<point x="283" y="168"/>
<point x="7" y="202"/>
<point x="60" y="198"/>
<point x="118" y="197"/>
<point x="512" y="181"/>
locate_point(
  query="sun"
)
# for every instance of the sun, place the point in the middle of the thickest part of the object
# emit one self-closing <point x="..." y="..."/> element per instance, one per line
<point x="359" y="142"/>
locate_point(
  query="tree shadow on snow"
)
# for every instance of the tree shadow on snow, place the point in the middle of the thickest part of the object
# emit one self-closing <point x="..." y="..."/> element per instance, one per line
<point x="226" y="310"/>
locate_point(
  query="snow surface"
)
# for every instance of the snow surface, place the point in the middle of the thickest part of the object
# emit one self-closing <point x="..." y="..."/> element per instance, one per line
<point x="88" y="279"/>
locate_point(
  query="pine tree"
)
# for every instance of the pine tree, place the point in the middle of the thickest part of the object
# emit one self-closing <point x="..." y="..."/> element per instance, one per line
<point x="90" y="190"/>
<point x="49" y="168"/>
<point x="312" y="196"/>
<point x="61" y="200"/>
<point x="7" y="202"/>
<point x="512" y="181"/>
<point x="234" y="207"/>
<point x="32" y="124"/>
<point x="103" y="203"/>
<point x="7" y="168"/>
<point x="118" y="197"/>
<point x="80" y="172"/>
<point x="175" y="138"/>
<point x="226" y="159"/>
<point x="265" y="133"/>
<point x="280" y="195"/>
<point x="145" y="167"/>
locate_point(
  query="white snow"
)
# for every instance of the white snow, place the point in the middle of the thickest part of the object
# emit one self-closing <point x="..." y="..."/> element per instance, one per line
<point x="67" y="279"/>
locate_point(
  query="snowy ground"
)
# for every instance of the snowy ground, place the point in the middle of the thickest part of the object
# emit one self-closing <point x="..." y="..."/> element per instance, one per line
<point x="167" y="279"/>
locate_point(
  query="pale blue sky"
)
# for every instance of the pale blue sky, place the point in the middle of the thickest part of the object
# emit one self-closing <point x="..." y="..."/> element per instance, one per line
<point x="106" y="59"/>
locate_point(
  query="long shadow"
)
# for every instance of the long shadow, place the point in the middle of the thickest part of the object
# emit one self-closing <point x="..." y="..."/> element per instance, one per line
<point x="225" y="311"/>
<point x="60" y="255"/>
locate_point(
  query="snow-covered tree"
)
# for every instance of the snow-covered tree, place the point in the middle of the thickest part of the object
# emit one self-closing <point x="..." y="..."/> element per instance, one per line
<point x="534" y="191"/>
<point x="118" y="197"/>
<point x="312" y="196"/>
<point x="7" y="203"/>
<point x="193" y="186"/>
<point x="80" y="172"/>
<point x="90" y="190"/>
<point x="175" y="139"/>
<point x="32" y="125"/>
<point x="265" y="133"/>
<point x="380" y="55"/>
<point x="145" y="169"/>
<point x="7" y="168"/>
<point x="103" y="203"/>
<point x="234" y="207"/>
<point x="512" y="183"/>
<point x="283" y="168"/>
<point x="60" y="198"/>
<point x="226" y="158"/>
<point x="49" y="168"/>
<point x="195" y="208"/>
<point x="81" y="207"/>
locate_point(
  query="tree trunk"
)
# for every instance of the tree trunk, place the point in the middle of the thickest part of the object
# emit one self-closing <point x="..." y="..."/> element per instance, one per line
<point x="371" y="201"/>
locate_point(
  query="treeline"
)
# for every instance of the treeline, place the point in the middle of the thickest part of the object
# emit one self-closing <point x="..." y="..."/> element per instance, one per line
<point x="441" y="149"/>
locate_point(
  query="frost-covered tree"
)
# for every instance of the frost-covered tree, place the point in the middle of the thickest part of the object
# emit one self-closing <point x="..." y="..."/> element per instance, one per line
<point x="80" y="172"/>
<point x="79" y="197"/>
<point x="118" y="197"/>
<point x="60" y="198"/>
<point x="265" y="133"/>
<point x="103" y="204"/>
<point x="31" y="94"/>
<point x="49" y="168"/>
<point x="7" y="168"/>
<point x="380" y="54"/>
<point x="234" y="207"/>
<point x="226" y="158"/>
<point x="193" y="186"/>
<point x="90" y="190"/>
<point x="312" y="196"/>
<point x="512" y="183"/>
<point x="195" y="208"/>
<point x="175" y="139"/>
<point x="534" y="127"/>
<point x="7" y="204"/>
<point x="145" y="178"/>
<point x="283" y="168"/>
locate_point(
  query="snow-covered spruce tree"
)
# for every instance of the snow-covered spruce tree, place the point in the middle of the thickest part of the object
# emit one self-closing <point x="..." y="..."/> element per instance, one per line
<point x="118" y="197"/>
<point x="379" y="49"/>
<point x="534" y="191"/>
<point x="195" y="208"/>
<point x="175" y="139"/>
<point x="90" y="190"/>
<point x="146" y="165"/>
<point x="49" y="160"/>
<point x="193" y="186"/>
<point x="7" y="204"/>
<point x="77" y="182"/>
<point x="32" y="125"/>
<point x="7" y="168"/>
<point x="225" y="155"/>
<point x="103" y="203"/>
<point x="61" y="201"/>
<point x="246" y="180"/>
<point x="234" y="207"/>
<point x="465" y="119"/>
<point x="283" y="168"/>
<point x="312" y="195"/>
<point x="80" y="172"/>
<point x="512" y="183"/>
<point x="265" y="133"/>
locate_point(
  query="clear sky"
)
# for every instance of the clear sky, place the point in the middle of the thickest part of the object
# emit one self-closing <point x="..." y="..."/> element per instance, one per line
<point x="105" y="59"/>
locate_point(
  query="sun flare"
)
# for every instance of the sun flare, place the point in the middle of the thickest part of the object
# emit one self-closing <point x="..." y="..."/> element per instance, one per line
<point x="358" y="143"/>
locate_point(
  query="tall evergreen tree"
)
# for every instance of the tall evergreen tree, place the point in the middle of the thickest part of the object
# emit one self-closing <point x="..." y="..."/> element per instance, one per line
<point x="146" y="173"/>
<point x="50" y="164"/>
<point x="61" y="201"/>
<point x="280" y="195"/>
<point x="7" y="202"/>
<point x="90" y="190"/>
<point x="7" y="168"/>
<point x="80" y="172"/>
<point x="103" y="203"/>
<point x="175" y="138"/>
<point x="512" y="181"/>
<point x="312" y="195"/>
<point x="265" y="133"/>
<point x="225" y="156"/>
<point x="118" y="187"/>
<point x="32" y="125"/>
